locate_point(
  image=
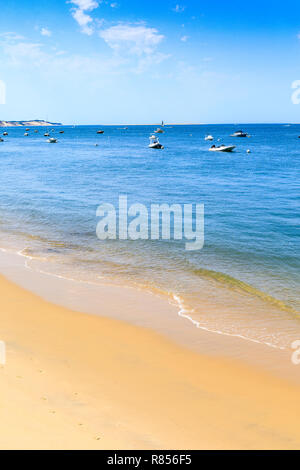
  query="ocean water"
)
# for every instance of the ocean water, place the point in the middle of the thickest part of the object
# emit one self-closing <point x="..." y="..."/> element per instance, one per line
<point x="244" y="282"/>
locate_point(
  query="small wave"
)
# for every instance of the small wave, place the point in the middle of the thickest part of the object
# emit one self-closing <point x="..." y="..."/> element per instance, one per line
<point x="242" y="287"/>
<point x="185" y="313"/>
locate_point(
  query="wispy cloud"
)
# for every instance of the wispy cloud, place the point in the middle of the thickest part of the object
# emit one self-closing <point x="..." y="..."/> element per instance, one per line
<point x="46" y="32"/>
<point x="136" y="39"/>
<point x="178" y="9"/>
<point x="184" y="38"/>
<point x="19" y="52"/>
<point x="79" y="13"/>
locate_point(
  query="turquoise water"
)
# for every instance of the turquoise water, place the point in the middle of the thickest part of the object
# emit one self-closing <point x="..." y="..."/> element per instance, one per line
<point x="244" y="282"/>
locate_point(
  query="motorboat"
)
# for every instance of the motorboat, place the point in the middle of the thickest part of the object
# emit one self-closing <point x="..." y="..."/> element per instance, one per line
<point x="46" y="134"/>
<point x="61" y="132"/>
<point x="240" y="134"/>
<point x="100" y="132"/>
<point x="52" y="140"/>
<point x="222" y="148"/>
<point x="154" y="143"/>
<point x="209" y="137"/>
<point x="26" y="134"/>
<point x="159" y="131"/>
<point x="1" y="140"/>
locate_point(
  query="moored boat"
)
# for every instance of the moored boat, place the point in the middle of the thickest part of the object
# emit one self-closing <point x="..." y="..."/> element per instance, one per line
<point x="240" y="134"/>
<point x="154" y="143"/>
<point x="222" y="148"/>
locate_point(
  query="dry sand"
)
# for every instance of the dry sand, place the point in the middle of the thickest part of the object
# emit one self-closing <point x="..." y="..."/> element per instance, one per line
<point x="78" y="381"/>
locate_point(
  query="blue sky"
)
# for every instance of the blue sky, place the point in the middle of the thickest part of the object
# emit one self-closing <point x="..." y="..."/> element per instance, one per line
<point x="129" y="61"/>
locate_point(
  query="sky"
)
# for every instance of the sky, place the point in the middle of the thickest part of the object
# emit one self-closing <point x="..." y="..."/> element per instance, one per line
<point x="139" y="62"/>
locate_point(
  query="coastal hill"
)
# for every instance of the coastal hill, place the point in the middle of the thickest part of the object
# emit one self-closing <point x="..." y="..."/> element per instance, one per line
<point x="36" y="122"/>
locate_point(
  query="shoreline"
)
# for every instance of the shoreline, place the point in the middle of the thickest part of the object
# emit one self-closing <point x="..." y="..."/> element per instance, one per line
<point x="141" y="307"/>
<point x="75" y="380"/>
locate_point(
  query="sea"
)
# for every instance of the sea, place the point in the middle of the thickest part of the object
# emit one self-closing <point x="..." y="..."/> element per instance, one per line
<point x="245" y="280"/>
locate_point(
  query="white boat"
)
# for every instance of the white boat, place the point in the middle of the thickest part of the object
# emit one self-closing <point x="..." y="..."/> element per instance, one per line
<point x="1" y="140"/>
<point x="52" y="140"/>
<point x="159" y="131"/>
<point x="26" y="134"/>
<point x="5" y="133"/>
<point x="222" y="148"/>
<point x="46" y="134"/>
<point x="154" y="143"/>
<point x="209" y="137"/>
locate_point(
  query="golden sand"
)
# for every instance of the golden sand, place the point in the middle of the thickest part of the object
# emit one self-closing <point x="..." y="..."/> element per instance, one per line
<point x="78" y="381"/>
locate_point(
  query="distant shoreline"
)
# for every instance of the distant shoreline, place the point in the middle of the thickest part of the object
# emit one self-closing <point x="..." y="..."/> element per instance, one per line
<point x="33" y="123"/>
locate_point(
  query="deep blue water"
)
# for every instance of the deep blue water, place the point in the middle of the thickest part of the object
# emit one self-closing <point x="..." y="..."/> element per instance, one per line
<point x="249" y="266"/>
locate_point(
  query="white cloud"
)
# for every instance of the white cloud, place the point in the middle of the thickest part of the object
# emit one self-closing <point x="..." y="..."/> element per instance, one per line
<point x="178" y="9"/>
<point x="79" y="14"/>
<point x="83" y="20"/>
<point x="137" y="40"/>
<point x="114" y="5"/>
<point x="85" y="4"/>
<point x="46" y="32"/>
<point x="184" y="38"/>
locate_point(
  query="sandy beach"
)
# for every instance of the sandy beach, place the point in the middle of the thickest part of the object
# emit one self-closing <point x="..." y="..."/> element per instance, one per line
<point x="79" y="381"/>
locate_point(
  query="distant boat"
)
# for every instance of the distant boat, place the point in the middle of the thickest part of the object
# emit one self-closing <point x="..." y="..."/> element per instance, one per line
<point x="162" y="124"/>
<point x="26" y="134"/>
<point x="52" y="140"/>
<point x="27" y="129"/>
<point x="209" y="137"/>
<point x="154" y="143"/>
<point x="240" y="134"/>
<point x="61" y="132"/>
<point x="46" y="134"/>
<point x="248" y="151"/>
<point x="159" y="131"/>
<point x="100" y="132"/>
<point x="222" y="148"/>
<point x="1" y="140"/>
<point x="5" y="133"/>
<point x="36" y="131"/>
